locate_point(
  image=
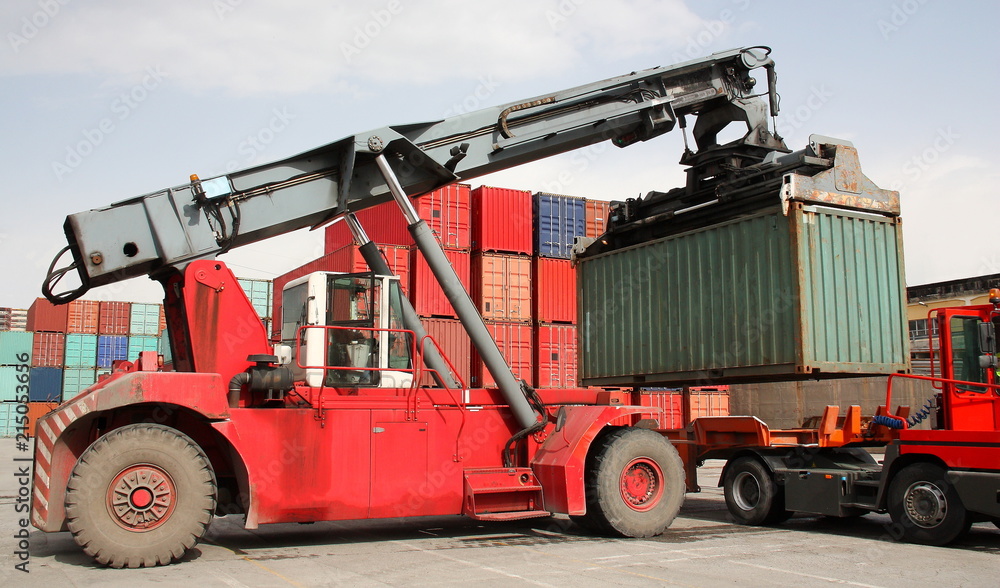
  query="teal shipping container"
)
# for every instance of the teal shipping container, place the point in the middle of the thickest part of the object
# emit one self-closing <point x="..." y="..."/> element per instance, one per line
<point x="15" y="347"/>
<point x="11" y="377"/>
<point x="81" y="351"/>
<point x="816" y="292"/>
<point x="137" y="345"/>
<point x="163" y="346"/>
<point x="144" y="320"/>
<point x="259" y="292"/>
<point x="76" y="380"/>
<point x="9" y="417"/>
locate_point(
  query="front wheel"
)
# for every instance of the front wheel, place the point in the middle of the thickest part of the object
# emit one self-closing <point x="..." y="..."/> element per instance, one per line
<point x="926" y="507"/>
<point x="635" y="484"/>
<point x="141" y="495"/>
<point x="752" y="495"/>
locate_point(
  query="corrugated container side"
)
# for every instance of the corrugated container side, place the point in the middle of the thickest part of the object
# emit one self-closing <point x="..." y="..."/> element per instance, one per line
<point x="554" y="284"/>
<point x="18" y="319"/>
<point x="144" y="320"/>
<point x="4" y="319"/>
<point x="501" y="220"/>
<point x="766" y="296"/>
<point x="45" y="316"/>
<point x="82" y="316"/>
<point x="426" y="294"/>
<point x="76" y="380"/>
<point x="8" y="414"/>
<point x="501" y="286"/>
<point x="111" y="348"/>
<point x="114" y="318"/>
<point x="10" y="378"/>
<point x="259" y="293"/>
<point x="137" y="345"/>
<point x="448" y="212"/>
<point x="709" y="403"/>
<point x="37" y="410"/>
<point x="46" y="384"/>
<point x="81" y="351"/>
<point x="163" y="346"/>
<point x="671" y="404"/>
<point x="454" y="342"/>
<point x="597" y="217"/>
<point x="515" y="343"/>
<point x="14" y="346"/>
<point x="555" y="356"/>
<point x="384" y="224"/>
<point x="344" y="259"/>
<point x="559" y="220"/>
<point x="48" y="349"/>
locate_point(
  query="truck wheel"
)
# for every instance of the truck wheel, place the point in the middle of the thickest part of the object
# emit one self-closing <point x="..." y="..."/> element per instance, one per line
<point x="926" y="507"/>
<point x="752" y="496"/>
<point x="141" y="495"/>
<point x="635" y="484"/>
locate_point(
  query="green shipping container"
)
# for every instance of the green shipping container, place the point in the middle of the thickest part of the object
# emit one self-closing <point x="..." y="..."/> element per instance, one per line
<point x="259" y="292"/>
<point x="76" y="380"/>
<point x="81" y="351"/>
<point x="16" y="347"/>
<point x="144" y="320"/>
<point x="818" y="292"/>
<point x="136" y="345"/>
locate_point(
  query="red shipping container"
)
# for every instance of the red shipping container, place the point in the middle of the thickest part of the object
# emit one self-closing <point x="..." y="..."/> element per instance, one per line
<point x="45" y="316"/>
<point x="555" y="356"/>
<point x="501" y="286"/>
<point x="670" y="402"/>
<point x="114" y="318"/>
<point x="346" y="259"/>
<point x="709" y="402"/>
<point x="83" y="317"/>
<point x="426" y="294"/>
<point x="48" y="349"/>
<point x="454" y="342"/>
<point x="384" y="224"/>
<point x="554" y="285"/>
<point x="502" y="220"/>
<point x="448" y="212"/>
<point x="597" y="217"/>
<point x="515" y="343"/>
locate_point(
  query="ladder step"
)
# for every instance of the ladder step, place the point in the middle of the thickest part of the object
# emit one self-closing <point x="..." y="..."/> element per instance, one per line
<point x="510" y="516"/>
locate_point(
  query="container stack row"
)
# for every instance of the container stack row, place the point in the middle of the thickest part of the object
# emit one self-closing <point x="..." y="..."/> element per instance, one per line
<point x="13" y="319"/>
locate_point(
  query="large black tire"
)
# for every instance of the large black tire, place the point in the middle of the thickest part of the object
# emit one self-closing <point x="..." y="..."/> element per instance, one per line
<point x="634" y="484"/>
<point x="752" y="495"/>
<point x="141" y="495"/>
<point x="926" y="507"/>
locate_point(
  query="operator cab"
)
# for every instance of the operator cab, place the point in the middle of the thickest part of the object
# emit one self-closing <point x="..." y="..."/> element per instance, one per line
<point x="345" y="331"/>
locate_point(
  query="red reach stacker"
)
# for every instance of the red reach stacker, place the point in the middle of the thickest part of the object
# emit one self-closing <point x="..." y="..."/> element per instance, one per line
<point x="330" y="423"/>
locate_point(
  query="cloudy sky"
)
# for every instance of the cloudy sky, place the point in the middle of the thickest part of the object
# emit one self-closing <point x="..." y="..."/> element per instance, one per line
<point x="103" y="100"/>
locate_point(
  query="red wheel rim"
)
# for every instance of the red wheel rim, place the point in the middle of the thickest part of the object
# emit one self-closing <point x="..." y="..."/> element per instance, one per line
<point x="641" y="484"/>
<point x="141" y="498"/>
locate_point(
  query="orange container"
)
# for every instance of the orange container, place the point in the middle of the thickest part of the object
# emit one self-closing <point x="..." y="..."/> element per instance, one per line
<point x="515" y="343"/>
<point x="501" y="286"/>
<point x="448" y="212"/>
<point x="597" y="217"/>
<point x="83" y="315"/>
<point x="37" y="410"/>
<point x="48" y="349"/>
<point x="555" y="356"/>
<point x="554" y="285"/>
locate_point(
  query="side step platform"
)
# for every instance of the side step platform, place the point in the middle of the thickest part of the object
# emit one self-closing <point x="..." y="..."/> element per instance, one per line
<point x="503" y="494"/>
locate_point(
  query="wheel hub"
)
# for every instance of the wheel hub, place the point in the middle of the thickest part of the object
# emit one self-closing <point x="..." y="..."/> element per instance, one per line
<point x="641" y="484"/>
<point x="141" y="497"/>
<point x="925" y="504"/>
<point x="746" y="491"/>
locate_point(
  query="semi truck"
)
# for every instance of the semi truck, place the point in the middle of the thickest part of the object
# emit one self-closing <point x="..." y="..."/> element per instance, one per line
<point x="331" y="422"/>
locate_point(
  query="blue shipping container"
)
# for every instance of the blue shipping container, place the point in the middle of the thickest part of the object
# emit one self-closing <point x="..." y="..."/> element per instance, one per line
<point x="137" y="345"/>
<point x="144" y="320"/>
<point x="10" y="378"/>
<point x="81" y="351"/>
<point x="13" y="344"/>
<point x="76" y="380"/>
<point x="111" y="348"/>
<point x="559" y="220"/>
<point x="46" y="384"/>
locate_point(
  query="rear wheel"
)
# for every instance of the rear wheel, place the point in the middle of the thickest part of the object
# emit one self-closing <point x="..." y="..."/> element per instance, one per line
<point x="635" y="484"/>
<point x="926" y="507"/>
<point x="141" y="495"/>
<point x="752" y="495"/>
